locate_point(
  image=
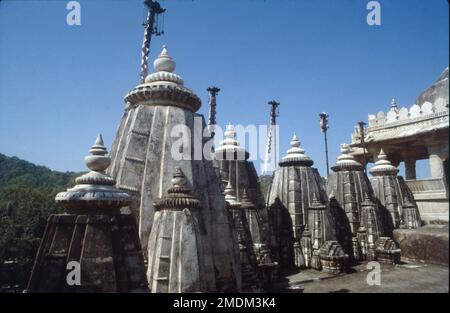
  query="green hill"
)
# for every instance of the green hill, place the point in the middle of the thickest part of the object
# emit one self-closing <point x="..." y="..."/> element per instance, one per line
<point x="27" y="193"/>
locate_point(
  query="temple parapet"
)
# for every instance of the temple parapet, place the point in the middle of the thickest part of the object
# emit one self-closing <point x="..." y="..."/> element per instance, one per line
<point x="411" y="134"/>
<point x="405" y="122"/>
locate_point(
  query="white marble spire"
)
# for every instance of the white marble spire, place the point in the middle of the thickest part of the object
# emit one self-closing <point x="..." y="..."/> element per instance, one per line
<point x="346" y="160"/>
<point x="230" y="145"/>
<point x="164" y="67"/>
<point x="383" y="166"/>
<point x="394" y="104"/>
<point x="95" y="190"/>
<point x="295" y="153"/>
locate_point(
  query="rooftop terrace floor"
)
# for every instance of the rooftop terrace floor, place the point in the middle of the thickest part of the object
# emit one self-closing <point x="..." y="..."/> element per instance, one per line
<point x="399" y="278"/>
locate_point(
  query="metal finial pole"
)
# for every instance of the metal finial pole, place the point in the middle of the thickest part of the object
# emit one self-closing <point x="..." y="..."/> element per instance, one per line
<point x="213" y="91"/>
<point x="324" y="128"/>
<point x="154" y="8"/>
<point x="363" y="144"/>
<point x="272" y="132"/>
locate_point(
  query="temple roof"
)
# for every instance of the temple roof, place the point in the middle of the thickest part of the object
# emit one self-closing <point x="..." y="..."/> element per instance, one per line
<point x="229" y="147"/>
<point x="346" y="161"/>
<point x="164" y="66"/>
<point x="95" y="190"/>
<point x="295" y="155"/>
<point x="179" y="195"/>
<point x="163" y="87"/>
<point x="383" y="166"/>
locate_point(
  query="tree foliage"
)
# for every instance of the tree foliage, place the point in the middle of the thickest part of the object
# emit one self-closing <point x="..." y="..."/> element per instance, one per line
<point x="27" y="194"/>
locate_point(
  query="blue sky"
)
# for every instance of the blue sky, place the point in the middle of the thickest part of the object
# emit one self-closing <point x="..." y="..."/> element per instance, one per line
<point x="60" y="85"/>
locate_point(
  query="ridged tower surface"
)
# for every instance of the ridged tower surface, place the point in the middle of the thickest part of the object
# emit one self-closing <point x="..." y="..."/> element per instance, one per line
<point x="147" y="147"/>
<point x="354" y="202"/>
<point x="295" y="186"/>
<point x="228" y="155"/>
<point x="99" y="244"/>
<point x="394" y="195"/>
<point x="176" y="262"/>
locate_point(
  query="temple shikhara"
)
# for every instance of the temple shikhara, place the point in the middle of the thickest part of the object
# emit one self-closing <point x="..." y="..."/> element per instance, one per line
<point x="155" y="215"/>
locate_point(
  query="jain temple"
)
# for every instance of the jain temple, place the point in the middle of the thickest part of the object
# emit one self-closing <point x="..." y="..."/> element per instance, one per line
<point x="142" y="220"/>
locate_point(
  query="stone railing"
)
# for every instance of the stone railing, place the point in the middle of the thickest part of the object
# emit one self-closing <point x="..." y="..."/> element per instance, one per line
<point x="414" y="113"/>
<point x="427" y="113"/>
<point x="429" y="185"/>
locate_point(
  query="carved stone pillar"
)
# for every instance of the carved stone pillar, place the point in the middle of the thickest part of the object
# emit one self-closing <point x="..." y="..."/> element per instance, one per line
<point x="436" y="162"/>
<point x="410" y="169"/>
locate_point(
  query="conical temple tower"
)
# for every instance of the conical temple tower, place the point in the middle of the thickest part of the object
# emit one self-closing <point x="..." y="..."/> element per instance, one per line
<point x="394" y="195"/>
<point x="230" y="155"/>
<point x="251" y="277"/>
<point x="100" y="245"/>
<point x="297" y="191"/>
<point x="359" y="219"/>
<point x="176" y="262"/>
<point x="158" y="131"/>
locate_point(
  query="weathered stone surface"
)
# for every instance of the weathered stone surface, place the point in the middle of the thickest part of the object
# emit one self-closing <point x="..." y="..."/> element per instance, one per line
<point x="106" y="247"/>
<point x="352" y="202"/>
<point x="230" y="155"/>
<point x="176" y="262"/>
<point x="251" y="276"/>
<point x="437" y="90"/>
<point x="299" y="219"/>
<point x="143" y="163"/>
<point x="95" y="235"/>
<point x="429" y="243"/>
<point x="333" y="258"/>
<point x="394" y="196"/>
<point x="387" y="251"/>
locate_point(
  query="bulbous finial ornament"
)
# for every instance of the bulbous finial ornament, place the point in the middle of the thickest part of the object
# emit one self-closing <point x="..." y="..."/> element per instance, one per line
<point x="179" y="195"/>
<point x="230" y="148"/>
<point x="382" y="155"/>
<point x="230" y="132"/>
<point x="94" y="192"/>
<point x="393" y="103"/>
<point x="383" y="166"/>
<point x="164" y="63"/>
<point x="346" y="161"/>
<point x="295" y="142"/>
<point x="97" y="161"/>
<point x="345" y="148"/>
<point x="296" y="155"/>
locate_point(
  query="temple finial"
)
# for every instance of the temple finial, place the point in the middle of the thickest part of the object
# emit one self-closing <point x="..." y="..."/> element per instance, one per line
<point x="382" y="155"/>
<point x="164" y="62"/>
<point x="393" y="103"/>
<point x="98" y="161"/>
<point x="294" y="141"/>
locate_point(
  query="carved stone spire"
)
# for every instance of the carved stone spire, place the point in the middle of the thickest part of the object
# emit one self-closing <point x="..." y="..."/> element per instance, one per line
<point x="296" y="155"/>
<point x="164" y="67"/>
<point x="394" y="104"/>
<point x="179" y="195"/>
<point x="229" y="148"/>
<point x="94" y="192"/>
<point x="383" y="166"/>
<point x="163" y="87"/>
<point x="104" y="242"/>
<point x="175" y="258"/>
<point x="346" y="161"/>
